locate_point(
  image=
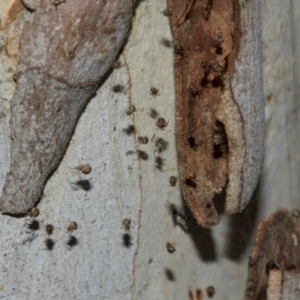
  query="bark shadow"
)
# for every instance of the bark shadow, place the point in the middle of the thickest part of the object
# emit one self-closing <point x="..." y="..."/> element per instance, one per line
<point x="241" y="229"/>
<point x="202" y="237"/>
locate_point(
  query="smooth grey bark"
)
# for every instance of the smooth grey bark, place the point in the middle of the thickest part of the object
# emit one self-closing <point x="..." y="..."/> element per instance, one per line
<point x="105" y="261"/>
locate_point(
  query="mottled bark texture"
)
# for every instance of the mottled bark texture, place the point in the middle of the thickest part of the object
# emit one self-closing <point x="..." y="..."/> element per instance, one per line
<point x="277" y="246"/>
<point x="66" y="48"/>
<point x="219" y="106"/>
<point x="284" y="285"/>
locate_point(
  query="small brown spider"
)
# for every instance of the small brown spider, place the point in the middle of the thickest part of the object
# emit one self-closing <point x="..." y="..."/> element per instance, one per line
<point x="173" y="180"/>
<point x="219" y="38"/>
<point x="190" y="174"/>
<point x="126" y="224"/>
<point x="194" y="90"/>
<point x="154" y="91"/>
<point x="72" y="226"/>
<point x="160" y="145"/>
<point x="178" y="50"/>
<point x="206" y="66"/>
<point x="210" y="291"/>
<point x="34" y="212"/>
<point x="85" y="169"/>
<point x="170" y="248"/>
<point x="49" y="229"/>
<point x="161" y="123"/>
<point x="217" y="68"/>
<point x="143" y="140"/>
<point x="129" y="111"/>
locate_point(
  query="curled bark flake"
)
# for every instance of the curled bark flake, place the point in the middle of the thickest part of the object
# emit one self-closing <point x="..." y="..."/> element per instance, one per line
<point x="277" y="246"/>
<point x="65" y="51"/>
<point x="211" y="42"/>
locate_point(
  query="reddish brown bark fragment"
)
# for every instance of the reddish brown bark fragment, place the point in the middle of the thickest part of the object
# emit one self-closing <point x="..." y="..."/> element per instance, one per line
<point x="208" y="33"/>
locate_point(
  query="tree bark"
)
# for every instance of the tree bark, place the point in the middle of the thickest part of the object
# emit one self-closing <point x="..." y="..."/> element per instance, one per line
<point x="100" y="259"/>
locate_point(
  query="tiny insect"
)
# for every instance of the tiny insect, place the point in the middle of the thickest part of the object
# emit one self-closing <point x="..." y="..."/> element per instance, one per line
<point x="161" y="123"/>
<point x="178" y="50"/>
<point x="170" y="248"/>
<point x="167" y="13"/>
<point x="72" y="226"/>
<point x="173" y="180"/>
<point x="49" y="229"/>
<point x="217" y="68"/>
<point x="218" y="138"/>
<point x="85" y="169"/>
<point x="210" y="291"/>
<point x="160" y="145"/>
<point x="130" y="110"/>
<point x="219" y="38"/>
<point x="154" y="91"/>
<point x="192" y="131"/>
<point x="206" y="66"/>
<point x="126" y="224"/>
<point x="34" y="212"/>
<point x="194" y="90"/>
<point x="190" y="174"/>
<point x="143" y="140"/>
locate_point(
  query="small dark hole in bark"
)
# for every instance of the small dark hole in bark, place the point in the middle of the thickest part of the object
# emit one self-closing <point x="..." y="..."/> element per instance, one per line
<point x="270" y="266"/>
<point x="291" y="267"/>
<point x="218" y="82"/>
<point x="217" y="151"/>
<point x="208" y="206"/>
<point x="191" y="183"/>
<point x="192" y="142"/>
<point x="219" y="50"/>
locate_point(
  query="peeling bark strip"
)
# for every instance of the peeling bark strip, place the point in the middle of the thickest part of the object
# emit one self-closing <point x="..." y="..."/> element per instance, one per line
<point x="277" y="246"/>
<point x="65" y="51"/>
<point x="210" y="126"/>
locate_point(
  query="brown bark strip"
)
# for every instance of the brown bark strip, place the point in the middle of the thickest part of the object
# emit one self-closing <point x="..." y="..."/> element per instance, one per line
<point x="210" y="134"/>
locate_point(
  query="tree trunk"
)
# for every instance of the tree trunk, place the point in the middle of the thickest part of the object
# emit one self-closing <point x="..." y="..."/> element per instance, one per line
<point x="100" y="259"/>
